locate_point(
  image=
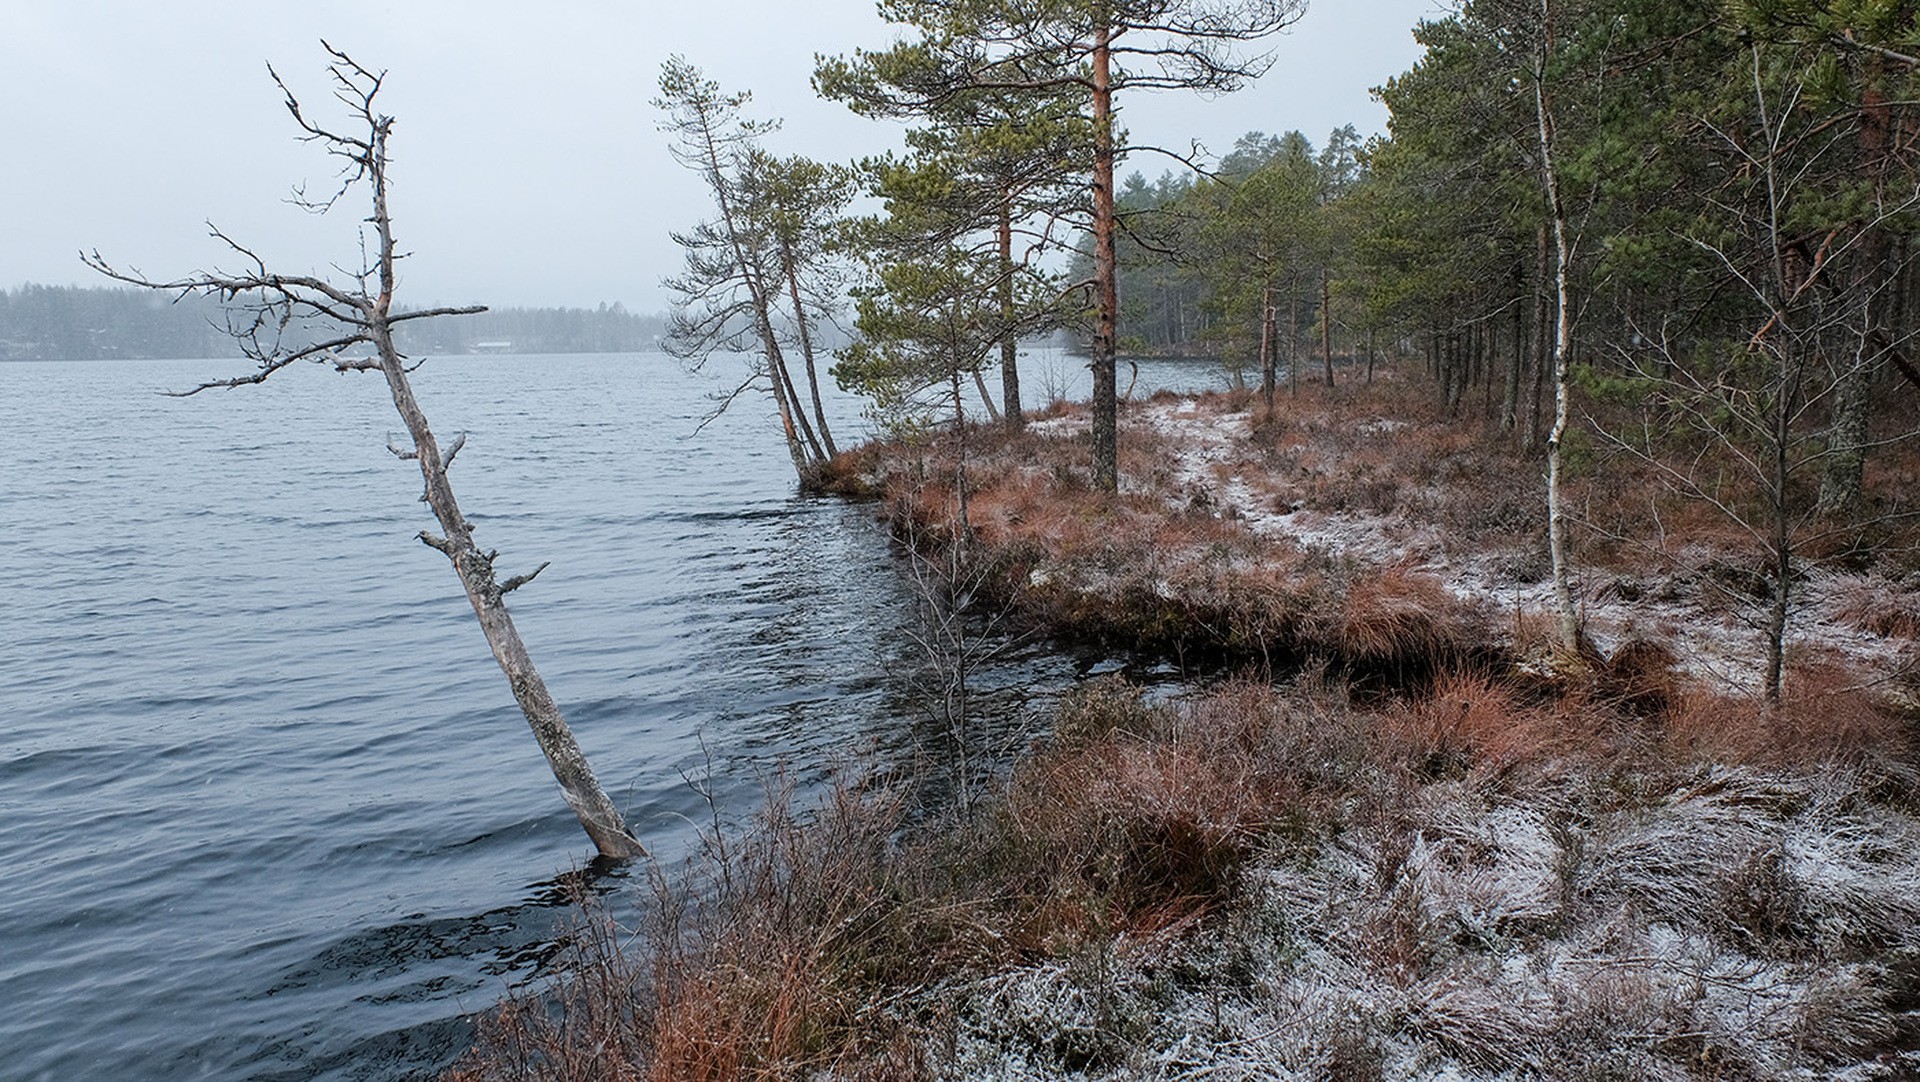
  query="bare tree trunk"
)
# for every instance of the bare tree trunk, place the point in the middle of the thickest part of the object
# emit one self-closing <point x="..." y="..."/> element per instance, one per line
<point x="986" y="399"/>
<point x="793" y="415"/>
<point x="1486" y="346"/>
<point x="1540" y="313"/>
<point x="1462" y="354"/>
<point x="1789" y="352"/>
<point x="965" y="527"/>
<point x="801" y="443"/>
<point x="1510" y="393"/>
<point x="1326" y="325"/>
<point x="806" y="352"/>
<point x="485" y="593"/>
<point x="1293" y="339"/>
<point x="1450" y="376"/>
<point x="1106" y="407"/>
<point x="1015" y="416"/>
<point x="1268" y="377"/>
<point x="1562" y="343"/>
<point x="1782" y="545"/>
<point x="590" y="803"/>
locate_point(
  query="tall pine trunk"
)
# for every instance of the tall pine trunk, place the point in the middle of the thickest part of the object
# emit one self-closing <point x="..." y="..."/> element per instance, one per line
<point x="1009" y="341"/>
<point x="1106" y="406"/>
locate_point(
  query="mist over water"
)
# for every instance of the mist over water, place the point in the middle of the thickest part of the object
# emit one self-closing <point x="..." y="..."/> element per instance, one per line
<point x="267" y="808"/>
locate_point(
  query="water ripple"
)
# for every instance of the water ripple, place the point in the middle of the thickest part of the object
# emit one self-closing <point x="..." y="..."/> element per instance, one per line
<point x="267" y="807"/>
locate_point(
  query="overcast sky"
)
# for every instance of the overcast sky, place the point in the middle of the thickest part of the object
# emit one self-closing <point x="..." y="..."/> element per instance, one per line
<point x="527" y="167"/>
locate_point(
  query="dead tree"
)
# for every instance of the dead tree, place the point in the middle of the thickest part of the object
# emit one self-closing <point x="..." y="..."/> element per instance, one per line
<point x="280" y="320"/>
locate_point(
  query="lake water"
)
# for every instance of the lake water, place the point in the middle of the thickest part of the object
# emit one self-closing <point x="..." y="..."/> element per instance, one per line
<point x="267" y="809"/>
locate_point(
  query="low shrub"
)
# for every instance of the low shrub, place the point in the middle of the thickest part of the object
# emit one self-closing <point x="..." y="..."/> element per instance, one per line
<point x="1398" y="620"/>
<point x="1257" y="881"/>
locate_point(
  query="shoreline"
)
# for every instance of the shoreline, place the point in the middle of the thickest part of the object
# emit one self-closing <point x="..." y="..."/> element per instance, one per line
<point x="1239" y="541"/>
<point x="1407" y="840"/>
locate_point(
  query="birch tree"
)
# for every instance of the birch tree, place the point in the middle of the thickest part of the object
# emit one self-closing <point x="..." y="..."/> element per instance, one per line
<point x="1546" y="126"/>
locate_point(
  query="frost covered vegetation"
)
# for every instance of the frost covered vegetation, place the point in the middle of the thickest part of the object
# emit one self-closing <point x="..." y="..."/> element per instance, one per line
<point x="1607" y="777"/>
<point x="1413" y="841"/>
<point x="1476" y="886"/>
<point x="1257" y="882"/>
<point x="1367" y="525"/>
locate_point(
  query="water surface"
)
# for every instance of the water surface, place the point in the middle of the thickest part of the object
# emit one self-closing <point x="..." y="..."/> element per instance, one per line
<point x="267" y="808"/>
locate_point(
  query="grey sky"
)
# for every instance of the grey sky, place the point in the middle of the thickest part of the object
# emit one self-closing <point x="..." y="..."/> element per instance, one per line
<point x="527" y="165"/>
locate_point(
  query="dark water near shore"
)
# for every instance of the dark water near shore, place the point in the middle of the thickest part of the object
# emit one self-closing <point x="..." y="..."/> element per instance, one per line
<point x="266" y="807"/>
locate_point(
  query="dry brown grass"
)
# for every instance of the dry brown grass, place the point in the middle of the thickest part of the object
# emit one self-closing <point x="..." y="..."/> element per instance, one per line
<point x="1159" y="568"/>
<point x="1400" y="620"/>
<point x="1827" y="715"/>
<point x="1471" y="722"/>
<point x="1880" y="606"/>
<point x="1602" y="873"/>
<point x="1500" y="880"/>
<point x="763" y="959"/>
<point x="1170" y="567"/>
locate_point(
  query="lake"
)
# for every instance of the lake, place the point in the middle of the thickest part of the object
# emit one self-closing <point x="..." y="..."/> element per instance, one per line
<point x="267" y="808"/>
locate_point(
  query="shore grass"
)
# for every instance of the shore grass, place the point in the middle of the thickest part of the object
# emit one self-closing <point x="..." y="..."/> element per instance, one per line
<point x="1362" y="526"/>
<point x="1407" y="841"/>
<point x="1268" y="881"/>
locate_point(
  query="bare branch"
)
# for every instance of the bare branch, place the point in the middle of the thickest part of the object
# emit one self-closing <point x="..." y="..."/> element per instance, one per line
<point x="269" y="366"/>
<point x="1846" y="38"/>
<point x="518" y="581"/>
<point x="725" y="401"/>
<point x="431" y="313"/>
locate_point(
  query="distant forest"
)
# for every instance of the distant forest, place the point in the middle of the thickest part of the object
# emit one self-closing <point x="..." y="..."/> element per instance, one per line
<point x="69" y="323"/>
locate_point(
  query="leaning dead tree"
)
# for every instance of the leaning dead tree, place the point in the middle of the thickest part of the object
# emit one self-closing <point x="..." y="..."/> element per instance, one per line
<point x="280" y="320"/>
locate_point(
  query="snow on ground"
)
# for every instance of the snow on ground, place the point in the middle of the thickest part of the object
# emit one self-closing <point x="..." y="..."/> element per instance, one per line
<point x="1730" y="928"/>
<point x="1713" y="637"/>
<point x="1718" y="921"/>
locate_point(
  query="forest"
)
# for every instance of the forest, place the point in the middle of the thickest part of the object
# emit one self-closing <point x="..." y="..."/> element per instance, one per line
<point x="1675" y="236"/>
<point x="68" y="323"/>
<point x="1727" y="193"/>
<point x="1558" y="529"/>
